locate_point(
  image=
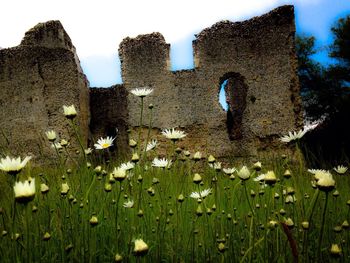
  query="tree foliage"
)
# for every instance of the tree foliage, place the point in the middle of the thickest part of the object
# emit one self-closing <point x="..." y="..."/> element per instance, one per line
<point x="325" y="91"/>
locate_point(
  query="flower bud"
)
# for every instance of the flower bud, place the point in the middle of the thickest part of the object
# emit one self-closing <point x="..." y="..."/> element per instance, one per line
<point x="93" y="221"/>
<point x="197" y="178"/>
<point x="141" y="248"/>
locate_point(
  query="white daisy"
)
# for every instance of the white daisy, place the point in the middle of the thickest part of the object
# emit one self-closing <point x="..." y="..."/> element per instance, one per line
<point x="161" y="163"/>
<point x="216" y="165"/>
<point x="229" y="171"/>
<point x="104" y="143"/>
<point x="314" y="171"/>
<point x="290" y="199"/>
<point x="142" y="92"/>
<point x="201" y="194"/>
<point x="13" y="165"/>
<point x="340" y="169"/>
<point x="293" y="136"/>
<point x="88" y="151"/>
<point x="259" y="178"/>
<point x="173" y="134"/>
<point x="127" y="166"/>
<point x="56" y="145"/>
<point x="128" y="204"/>
<point x="151" y="145"/>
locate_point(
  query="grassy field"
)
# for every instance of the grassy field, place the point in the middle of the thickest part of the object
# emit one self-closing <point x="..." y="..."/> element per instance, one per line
<point x="87" y="209"/>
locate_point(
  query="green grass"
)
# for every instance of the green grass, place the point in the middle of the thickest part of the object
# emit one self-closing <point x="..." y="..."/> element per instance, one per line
<point x="237" y="229"/>
<point x="240" y="221"/>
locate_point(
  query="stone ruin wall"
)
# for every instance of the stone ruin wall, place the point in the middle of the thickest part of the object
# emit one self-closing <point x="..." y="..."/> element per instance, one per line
<point x="256" y="56"/>
<point x="36" y="79"/>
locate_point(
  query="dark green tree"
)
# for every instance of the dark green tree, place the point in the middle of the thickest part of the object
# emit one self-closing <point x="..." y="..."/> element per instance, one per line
<point x="326" y="91"/>
<point x="340" y="50"/>
<point x="314" y="85"/>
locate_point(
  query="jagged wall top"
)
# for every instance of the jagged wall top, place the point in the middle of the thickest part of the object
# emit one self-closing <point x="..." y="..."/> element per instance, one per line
<point x="257" y="55"/>
<point x="50" y="34"/>
<point x="37" y="78"/>
<point x="280" y="15"/>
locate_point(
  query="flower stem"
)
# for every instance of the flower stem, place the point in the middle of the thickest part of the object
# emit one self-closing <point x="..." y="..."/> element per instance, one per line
<point x="149" y="130"/>
<point x="79" y="139"/>
<point x="246" y="194"/>
<point x="322" y="229"/>
<point x="141" y="115"/>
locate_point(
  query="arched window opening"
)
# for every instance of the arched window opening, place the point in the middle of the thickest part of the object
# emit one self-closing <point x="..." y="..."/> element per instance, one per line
<point x="222" y="96"/>
<point x="234" y="90"/>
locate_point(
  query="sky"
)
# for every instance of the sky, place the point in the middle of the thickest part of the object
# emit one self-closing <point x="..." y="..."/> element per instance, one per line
<point x="97" y="27"/>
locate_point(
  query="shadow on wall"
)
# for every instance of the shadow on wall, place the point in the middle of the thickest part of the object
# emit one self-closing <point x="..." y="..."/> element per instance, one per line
<point x="235" y="90"/>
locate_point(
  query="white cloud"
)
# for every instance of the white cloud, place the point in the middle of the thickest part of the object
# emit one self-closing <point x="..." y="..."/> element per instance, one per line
<point x="97" y="27"/>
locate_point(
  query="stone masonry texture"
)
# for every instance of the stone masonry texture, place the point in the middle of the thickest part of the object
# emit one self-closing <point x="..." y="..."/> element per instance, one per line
<point x="37" y="78"/>
<point x="256" y="57"/>
<point x="255" y="60"/>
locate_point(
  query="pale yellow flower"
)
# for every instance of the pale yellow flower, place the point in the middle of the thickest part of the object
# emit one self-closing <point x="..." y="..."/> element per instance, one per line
<point x="13" y="165"/>
<point x="340" y="169"/>
<point x="270" y="178"/>
<point x="44" y="188"/>
<point x="326" y="183"/>
<point x="93" y="220"/>
<point x="141" y="248"/>
<point x="51" y="135"/>
<point x="64" y="143"/>
<point x="335" y="250"/>
<point x="69" y="111"/>
<point x="197" y="178"/>
<point x="216" y="166"/>
<point x="132" y="143"/>
<point x="119" y="174"/>
<point x="88" y="151"/>
<point x="257" y="166"/>
<point x="24" y="191"/>
<point x="197" y="156"/>
<point x="211" y="159"/>
<point x="244" y="173"/>
<point x="64" y="188"/>
<point x="289" y="222"/>
<point x="135" y="158"/>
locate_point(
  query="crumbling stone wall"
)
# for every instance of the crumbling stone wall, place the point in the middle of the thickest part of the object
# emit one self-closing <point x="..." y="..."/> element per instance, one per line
<point x="255" y="58"/>
<point x="37" y="78"/>
<point x="260" y="51"/>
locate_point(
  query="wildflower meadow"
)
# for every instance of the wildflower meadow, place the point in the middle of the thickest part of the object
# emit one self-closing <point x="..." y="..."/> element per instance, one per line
<point x="181" y="206"/>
